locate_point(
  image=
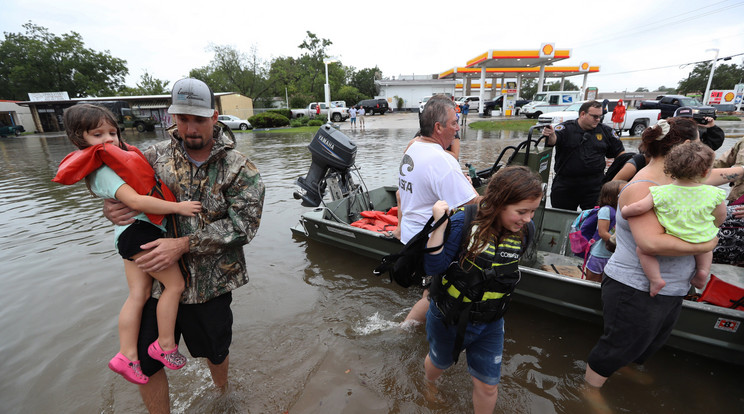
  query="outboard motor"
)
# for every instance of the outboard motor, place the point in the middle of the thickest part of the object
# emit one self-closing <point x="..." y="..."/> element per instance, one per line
<point x="333" y="156"/>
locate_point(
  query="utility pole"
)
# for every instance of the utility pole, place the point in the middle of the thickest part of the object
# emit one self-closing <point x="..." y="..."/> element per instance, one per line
<point x="710" y="78"/>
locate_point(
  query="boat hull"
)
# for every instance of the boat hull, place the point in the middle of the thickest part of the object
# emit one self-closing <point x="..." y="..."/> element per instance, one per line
<point x="702" y="329"/>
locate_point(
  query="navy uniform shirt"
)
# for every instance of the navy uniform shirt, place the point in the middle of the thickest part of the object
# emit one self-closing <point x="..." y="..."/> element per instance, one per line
<point x="583" y="153"/>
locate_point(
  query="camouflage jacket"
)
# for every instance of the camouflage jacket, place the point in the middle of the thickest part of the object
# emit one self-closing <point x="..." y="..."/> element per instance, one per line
<point x="230" y="189"/>
<point x="734" y="156"/>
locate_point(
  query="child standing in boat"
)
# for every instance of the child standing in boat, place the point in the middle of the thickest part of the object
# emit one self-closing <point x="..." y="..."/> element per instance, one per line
<point x="599" y="254"/>
<point x="687" y="208"/>
<point x="115" y="170"/>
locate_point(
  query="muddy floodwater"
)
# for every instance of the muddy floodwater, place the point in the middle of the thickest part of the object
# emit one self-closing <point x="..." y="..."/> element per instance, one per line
<point x="315" y="331"/>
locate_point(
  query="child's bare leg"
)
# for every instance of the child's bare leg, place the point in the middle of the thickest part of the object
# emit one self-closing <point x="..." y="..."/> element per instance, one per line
<point x="173" y="285"/>
<point x="140" y="285"/>
<point x="651" y="268"/>
<point x="702" y="269"/>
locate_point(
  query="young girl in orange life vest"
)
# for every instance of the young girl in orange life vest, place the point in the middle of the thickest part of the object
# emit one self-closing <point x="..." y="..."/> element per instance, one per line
<point x="112" y="169"/>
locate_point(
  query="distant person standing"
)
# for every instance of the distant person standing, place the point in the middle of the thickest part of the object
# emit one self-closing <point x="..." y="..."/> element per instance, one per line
<point x="605" y="109"/>
<point x="465" y="111"/>
<point x="618" y="117"/>
<point x="353" y="116"/>
<point x="317" y="110"/>
<point x="360" y="115"/>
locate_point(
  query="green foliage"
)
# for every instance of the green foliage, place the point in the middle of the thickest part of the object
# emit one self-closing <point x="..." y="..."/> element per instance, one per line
<point x="399" y="102"/>
<point x="364" y="81"/>
<point x="508" y="125"/>
<point x="668" y="91"/>
<point x="300" y="101"/>
<point x="283" y="111"/>
<point x="641" y="89"/>
<point x="529" y="88"/>
<point x="40" y="61"/>
<point x="348" y="94"/>
<point x="315" y="123"/>
<point x="296" y="123"/>
<point x="725" y="77"/>
<point x="268" y="120"/>
<point x="147" y="86"/>
<point x="556" y="86"/>
<point x="234" y="71"/>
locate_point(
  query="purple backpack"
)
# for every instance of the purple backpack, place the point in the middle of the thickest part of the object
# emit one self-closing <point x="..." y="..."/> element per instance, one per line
<point x="584" y="232"/>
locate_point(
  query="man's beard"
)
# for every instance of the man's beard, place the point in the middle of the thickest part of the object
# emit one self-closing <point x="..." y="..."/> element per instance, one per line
<point x="190" y="143"/>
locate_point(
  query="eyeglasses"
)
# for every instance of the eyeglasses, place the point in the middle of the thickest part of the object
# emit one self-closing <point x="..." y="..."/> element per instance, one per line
<point x="596" y="117"/>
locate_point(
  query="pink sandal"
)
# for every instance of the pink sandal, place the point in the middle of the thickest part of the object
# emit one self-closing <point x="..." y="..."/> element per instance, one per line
<point x="171" y="359"/>
<point x="130" y="370"/>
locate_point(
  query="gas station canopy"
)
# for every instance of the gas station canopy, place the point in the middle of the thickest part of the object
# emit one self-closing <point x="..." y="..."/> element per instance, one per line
<point x="518" y="64"/>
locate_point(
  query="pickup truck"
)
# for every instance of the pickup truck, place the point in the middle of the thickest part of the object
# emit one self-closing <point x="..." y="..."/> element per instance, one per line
<point x="7" y="130"/>
<point x="338" y="114"/>
<point x="667" y="104"/>
<point x="496" y="103"/>
<point x="635" y="120"/>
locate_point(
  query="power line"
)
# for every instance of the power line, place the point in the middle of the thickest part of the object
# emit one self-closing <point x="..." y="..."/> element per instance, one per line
<point x="681" y="65"/>
<point x="660" y="24"/>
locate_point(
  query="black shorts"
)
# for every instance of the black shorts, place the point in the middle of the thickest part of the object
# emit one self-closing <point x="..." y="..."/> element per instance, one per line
<point x="138" y="233"/>
<point x="206" y="329"/>
<point x="635" y="326"/>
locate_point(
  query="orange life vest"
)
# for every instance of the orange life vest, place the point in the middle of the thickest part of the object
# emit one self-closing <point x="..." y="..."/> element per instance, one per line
<point x="378" y="221"/>
<point x="130" y="165"/>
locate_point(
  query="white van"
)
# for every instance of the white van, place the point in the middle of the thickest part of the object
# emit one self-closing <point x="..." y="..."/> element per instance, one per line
<point x="549" y="102"/>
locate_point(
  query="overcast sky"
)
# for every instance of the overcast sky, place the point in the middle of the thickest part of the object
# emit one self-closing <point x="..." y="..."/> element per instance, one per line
<point x="636" y="43"/>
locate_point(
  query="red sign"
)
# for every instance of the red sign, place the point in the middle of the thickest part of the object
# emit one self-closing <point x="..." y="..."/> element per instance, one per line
<point x="727" y="325"/>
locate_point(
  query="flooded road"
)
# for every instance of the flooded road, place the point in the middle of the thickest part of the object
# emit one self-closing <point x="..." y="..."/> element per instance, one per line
<point x="315" y="331"/>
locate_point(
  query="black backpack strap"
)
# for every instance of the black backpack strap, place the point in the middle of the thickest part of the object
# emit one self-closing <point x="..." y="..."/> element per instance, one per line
<point x="415" y="248"/>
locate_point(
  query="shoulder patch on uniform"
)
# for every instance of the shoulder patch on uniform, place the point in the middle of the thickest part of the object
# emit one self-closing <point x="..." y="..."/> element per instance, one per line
<point x="559" y="127"/>
<point x="614" y="134"/>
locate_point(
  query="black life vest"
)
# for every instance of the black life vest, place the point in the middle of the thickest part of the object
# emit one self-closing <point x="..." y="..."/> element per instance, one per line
<point x="479" y="291"/>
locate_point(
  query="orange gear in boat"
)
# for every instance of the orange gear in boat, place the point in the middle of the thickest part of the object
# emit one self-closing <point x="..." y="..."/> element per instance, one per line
<point x="378" y="221"/>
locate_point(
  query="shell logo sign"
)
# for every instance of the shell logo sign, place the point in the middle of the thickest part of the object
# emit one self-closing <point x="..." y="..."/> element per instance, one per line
<point x="547" y="50"/>
<point x="584" y="67"/>
<point x="729" y="97"/>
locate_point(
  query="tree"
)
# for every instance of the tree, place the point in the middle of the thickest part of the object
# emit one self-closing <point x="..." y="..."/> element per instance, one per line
<point x="642" y="89"/>
<point x="529" y="88"/>
<point x="234" y="71"/>
<point x="666" y="90"/>
<point x="147" y="86"/>
<point x="725" y="77"/>
<point x="556" y="86"/>
<point x="348" y="94"/>
<point x="39" y="61"/>
<point x="364" y="81"/>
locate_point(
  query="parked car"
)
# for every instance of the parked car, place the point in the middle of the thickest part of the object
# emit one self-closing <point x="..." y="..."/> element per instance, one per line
<point x="550" y="101"/>
<point x="372" y="106"/>
<point x="489" y="106"/>
<point x="422" y="103"/>
<point x="635" y="122"/>
<point x="233" y="122"/>
<point x="338" y="113"/>
<point x="670" y="103"/>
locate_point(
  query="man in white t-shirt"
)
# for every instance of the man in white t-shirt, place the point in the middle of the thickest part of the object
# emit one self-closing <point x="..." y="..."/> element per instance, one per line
<point x="428" y="174"/>
<point x="360" y="115"/>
